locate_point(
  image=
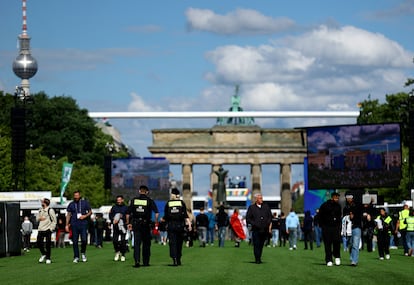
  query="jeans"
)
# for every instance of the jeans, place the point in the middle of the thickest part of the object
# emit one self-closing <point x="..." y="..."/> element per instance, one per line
<point x="210" y="235"/>
<point x="79" y="230"/>
<point x="356" y="240"/>
<point x="293" y="237"/>
<point x="318" y="235"/>
<point x="221" y="235"/>
<point x="202" y="235"/>
<point x="410" y="240"/>
<point x="275" y="237"/>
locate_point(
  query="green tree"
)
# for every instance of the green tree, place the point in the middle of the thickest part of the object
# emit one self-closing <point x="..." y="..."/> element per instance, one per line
<point x="58" y="131"/>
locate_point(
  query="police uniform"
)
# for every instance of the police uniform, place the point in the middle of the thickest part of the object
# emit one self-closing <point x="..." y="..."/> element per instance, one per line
<point x="140" y="210"/>
<point x="175" y="215"/>
<point x="383" y="231"/>
<point x="402" y="227"/>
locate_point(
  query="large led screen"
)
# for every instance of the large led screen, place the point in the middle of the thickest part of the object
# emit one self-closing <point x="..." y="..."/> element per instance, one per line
<point x="130" y="173"/>
<point x="354" y="156"/>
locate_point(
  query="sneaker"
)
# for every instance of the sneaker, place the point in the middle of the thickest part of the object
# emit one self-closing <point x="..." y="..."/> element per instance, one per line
<point x="329" y="263"/>
<point x="337" y="261"/>
<point x="387" y="256"/>
<point x="353" y="264"/>
<point x="290" y="248"/>
<point x="116" y="258"/>
<point x="122" y="258"/>
<point x="48" y="261"/>
<point x="76" y="260"/>
<point x="381" y="258"/>
<point x="42" y="258"/>
<point x="294" y="247"/>
<point x="84" y="259"/>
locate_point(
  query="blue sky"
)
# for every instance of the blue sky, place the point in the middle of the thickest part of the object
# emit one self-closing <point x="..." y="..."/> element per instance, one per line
<point x="188" y="55"/>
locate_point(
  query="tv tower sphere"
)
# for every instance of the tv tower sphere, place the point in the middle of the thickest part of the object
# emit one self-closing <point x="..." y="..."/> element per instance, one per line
<point x="25" y="66"/>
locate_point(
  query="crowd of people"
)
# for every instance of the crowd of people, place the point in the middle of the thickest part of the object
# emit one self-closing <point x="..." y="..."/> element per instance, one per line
<point x="353" y="227"/>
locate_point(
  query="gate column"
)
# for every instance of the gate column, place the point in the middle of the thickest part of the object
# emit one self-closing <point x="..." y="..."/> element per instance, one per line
<point x="256" y="174"/>
<point x="187" y="172"/>
<point x="286" y="197"/>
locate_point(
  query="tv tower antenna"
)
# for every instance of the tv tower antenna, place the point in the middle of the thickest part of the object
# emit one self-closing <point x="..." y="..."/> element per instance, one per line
<point x="25" y="65"/>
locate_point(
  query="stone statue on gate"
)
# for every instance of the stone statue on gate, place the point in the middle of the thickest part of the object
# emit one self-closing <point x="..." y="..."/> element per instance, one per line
<point x="221" y="189"/>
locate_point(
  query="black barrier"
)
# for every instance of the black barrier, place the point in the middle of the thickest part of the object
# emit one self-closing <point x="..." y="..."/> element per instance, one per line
<point x="10" y="235"/>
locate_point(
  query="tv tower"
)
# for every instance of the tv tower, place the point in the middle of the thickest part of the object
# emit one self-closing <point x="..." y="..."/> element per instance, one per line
<point x="25" y="65"/>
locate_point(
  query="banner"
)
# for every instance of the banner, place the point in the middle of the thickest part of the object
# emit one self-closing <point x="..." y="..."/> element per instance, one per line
<point x="66" y="172"/>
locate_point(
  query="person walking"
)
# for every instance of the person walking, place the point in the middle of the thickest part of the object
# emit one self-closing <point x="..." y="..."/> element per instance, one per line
<point x="176" y="217"/>
<point x="117" y="215"/>
<point x="317" y="229"/>
<point x="139" y="216"/>
<point x="292" y="226"/>
<point x="283" y="235"/>
<point x="202" y="225"/>
<point x="77" y="220"/>
<point x="354" y="210"/>
<point x="383" y="229"/>
<point x="409" y="221"/>
<point x="237" y="228"/>
<point x="331" y="223"/>
<point x="26" y="229"/>
<point x="222" y="222"/>
<point x="259" y="217"/>
<point x="401" y="227"/>
<point x="47" y="224"/>
<point x="308" y="230"/>
<point x="275" y="229"/>
<point x="211" y="226"/>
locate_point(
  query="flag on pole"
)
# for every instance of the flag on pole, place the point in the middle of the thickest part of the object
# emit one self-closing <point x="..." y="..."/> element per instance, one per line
<point x="66" y="172"/>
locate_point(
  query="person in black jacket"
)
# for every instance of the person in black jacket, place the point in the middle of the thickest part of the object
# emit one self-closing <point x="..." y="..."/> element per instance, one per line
<point x="222" y="222"/>
<point x="202" y="225"/>
<point x="330" y="221"/>
<point x="138" y="218"/>
<point x="176" y="217"/>
<point x="259" y="217"/>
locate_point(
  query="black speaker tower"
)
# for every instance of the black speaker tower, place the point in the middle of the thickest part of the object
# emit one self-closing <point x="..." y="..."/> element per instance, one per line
<point x="18" y="154"/>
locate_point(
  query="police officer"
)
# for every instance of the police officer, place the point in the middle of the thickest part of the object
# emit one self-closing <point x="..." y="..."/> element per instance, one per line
<point x="139" y="220"/>
<point x="402" y="227"/>
<point x="383" y="229"/>
<point x="176" y="218"/>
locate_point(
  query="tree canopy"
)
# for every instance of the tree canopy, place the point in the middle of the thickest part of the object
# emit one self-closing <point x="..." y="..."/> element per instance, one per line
<point x="57" y="131"/>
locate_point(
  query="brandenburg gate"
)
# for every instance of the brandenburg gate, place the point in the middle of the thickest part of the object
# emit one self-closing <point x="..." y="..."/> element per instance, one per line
<point x="232" y="144"/>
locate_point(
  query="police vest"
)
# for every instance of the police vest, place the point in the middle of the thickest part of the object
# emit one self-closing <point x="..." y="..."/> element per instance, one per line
<point x="402" y="216"/>
<point x="175" y="210"/>
<point x="141" y="208"/>
<point x="386" y="223"/>
<point x="410" y="223"/>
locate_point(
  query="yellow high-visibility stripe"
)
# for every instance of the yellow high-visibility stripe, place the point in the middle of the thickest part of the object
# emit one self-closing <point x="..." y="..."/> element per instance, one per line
<point x="138" y="202"/>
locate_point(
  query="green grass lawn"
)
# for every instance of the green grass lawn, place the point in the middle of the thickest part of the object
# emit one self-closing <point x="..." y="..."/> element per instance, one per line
<point x="209" y="265"/>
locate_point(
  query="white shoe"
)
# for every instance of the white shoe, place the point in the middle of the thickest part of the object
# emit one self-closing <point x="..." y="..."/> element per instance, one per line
<point x="329" y="263"/>
<point x="387" y="256"/>
<point x="116" y="258"/>
<point x="381" y="258"/>
<point x="122" y="258"/>
<point x="42" y="258"/>
<point x="48" y="261"/>
<point x="84" y="259"/>
<point x="290" y="248"/>
<point x="337" y="261"/>
<point x="76" y="260"/>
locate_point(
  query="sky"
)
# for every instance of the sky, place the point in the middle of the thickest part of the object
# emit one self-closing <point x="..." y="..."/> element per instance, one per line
<point x="130" y="55"/>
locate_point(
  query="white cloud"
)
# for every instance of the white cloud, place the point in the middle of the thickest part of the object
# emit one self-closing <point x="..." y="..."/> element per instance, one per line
<point x="137" y="104"/>
<point x="240" y="21"/>
<point x="326" y="68"/>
